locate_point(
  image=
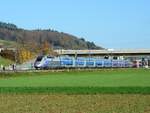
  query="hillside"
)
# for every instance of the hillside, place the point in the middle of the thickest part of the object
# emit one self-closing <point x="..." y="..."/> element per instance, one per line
<point x="6" y="43"/>
<point x="10" y="32"/>
<point x="5" y="62"/>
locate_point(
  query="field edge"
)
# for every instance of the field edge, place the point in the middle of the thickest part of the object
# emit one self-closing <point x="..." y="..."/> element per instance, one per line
<point x="77" y="90"/>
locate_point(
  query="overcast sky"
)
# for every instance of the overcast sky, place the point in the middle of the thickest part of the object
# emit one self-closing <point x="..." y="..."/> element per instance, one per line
<point x="108" y="23"/>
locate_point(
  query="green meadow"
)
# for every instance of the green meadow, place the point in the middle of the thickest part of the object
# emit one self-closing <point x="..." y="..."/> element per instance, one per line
<point x="76" y="91"/>
<point x="78" y="82"/>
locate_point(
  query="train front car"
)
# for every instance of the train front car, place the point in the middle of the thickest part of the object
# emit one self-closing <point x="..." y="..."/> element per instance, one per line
<point x="37" y="63"/>
<point x="42" y="62"/>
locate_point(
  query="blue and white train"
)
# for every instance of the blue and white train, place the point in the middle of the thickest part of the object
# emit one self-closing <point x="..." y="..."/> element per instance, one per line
<point x="48" y="62"/>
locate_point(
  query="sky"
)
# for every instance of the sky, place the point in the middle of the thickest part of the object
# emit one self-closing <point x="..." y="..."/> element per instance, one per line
<point x="117" y="24"/>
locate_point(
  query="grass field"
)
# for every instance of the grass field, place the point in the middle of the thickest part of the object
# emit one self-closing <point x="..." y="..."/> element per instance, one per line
<point x="78" y="82"/>
<point x="5" y="62"/>
<point x="97" y="91"/>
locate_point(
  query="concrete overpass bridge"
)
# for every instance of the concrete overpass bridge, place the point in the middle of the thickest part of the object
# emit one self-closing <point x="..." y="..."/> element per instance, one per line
<point x="109" y="52"/>
<point x="135" y="55"/>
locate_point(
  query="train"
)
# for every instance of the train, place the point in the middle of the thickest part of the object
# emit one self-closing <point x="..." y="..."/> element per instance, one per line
<point x="50" y="62"/>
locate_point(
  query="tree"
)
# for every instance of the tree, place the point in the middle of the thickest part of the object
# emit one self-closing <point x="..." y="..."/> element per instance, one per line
<point x="24" y="55"/>
<point x="45" y="48"/>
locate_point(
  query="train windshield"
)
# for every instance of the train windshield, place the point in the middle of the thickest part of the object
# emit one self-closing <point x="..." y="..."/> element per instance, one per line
<point x="39" y="58"/>
<point x="50" y="57"/>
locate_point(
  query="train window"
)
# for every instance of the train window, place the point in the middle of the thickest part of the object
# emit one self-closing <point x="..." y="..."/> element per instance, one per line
<point x="106" y="57"/>
<point x="115" y="58"/>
